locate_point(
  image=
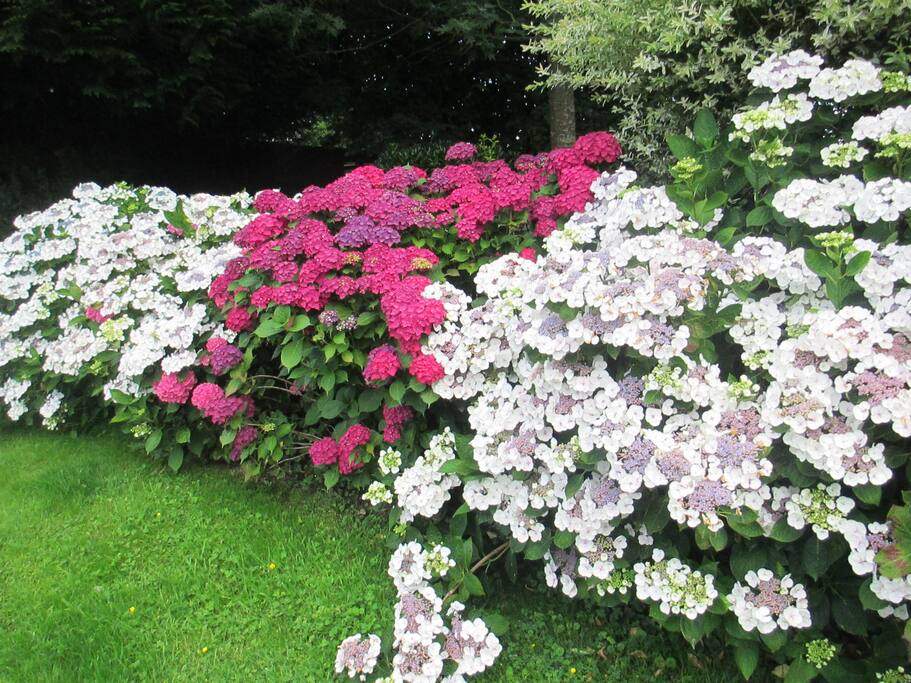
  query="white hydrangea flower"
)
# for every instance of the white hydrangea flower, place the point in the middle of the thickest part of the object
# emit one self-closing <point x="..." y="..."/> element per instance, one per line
<point x="782" y="72"/>
<point x="767" y="602"/>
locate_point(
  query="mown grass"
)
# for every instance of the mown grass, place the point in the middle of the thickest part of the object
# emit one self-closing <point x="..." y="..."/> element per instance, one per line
<point x="112" y="569"/>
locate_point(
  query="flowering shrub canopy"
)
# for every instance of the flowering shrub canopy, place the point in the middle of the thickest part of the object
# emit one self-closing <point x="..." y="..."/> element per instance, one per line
<point x="696" y="396"/>
<point x="99" y="292"/>
<point x="332" y="293"/>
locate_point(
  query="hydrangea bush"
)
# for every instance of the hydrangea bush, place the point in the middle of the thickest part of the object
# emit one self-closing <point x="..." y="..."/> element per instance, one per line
<point x="99" y="291"/>
<point x="326" y="304"/>
<point x="698" y="396"/>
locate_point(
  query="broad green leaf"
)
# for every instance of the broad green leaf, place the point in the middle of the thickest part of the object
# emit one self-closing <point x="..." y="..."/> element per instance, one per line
<point x="564" y="539"/>
<point x="153" y="440"/>
<point x="705" y="129"/>
<point x="784" y="532"/>
<point x="370" y="400"/>
<point x="497" y="623"/>
<point x="857" y="263"/>
<point x="681" y="146"/>
<point x="759" y="216"/>
<point x="175" y="459"/>
<point x="473" y="584"/>
<point x="819" y="263"/>
<point x="292" y="354"/>
<point x="816" y="556"/>
<point x="397" y="391"/>
<point x="331" y="477"/>
<point x="746" y="654"/>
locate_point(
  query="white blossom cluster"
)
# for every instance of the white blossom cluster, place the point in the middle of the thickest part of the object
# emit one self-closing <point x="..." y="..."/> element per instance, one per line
<point x="426" y="640"/>
<point x="569" y="438"/>
<point x="854" y="77"/>
<point x="776" y="114"/>
<point x="676" y="588"/>
<point x="102" y="285"/>
<point x="422" y="489"/>
<point x="767" y="602"/>
<point x="886" y="122"/>
<point x="782" y="72"/>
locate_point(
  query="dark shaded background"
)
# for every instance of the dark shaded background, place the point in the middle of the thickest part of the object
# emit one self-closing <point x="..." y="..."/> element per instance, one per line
<point x="224" y="95"/>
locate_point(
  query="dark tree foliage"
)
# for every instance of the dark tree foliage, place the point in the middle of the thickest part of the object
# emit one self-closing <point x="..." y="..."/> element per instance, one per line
<point x="161" y="90"/>
<point x="244" y="69"/>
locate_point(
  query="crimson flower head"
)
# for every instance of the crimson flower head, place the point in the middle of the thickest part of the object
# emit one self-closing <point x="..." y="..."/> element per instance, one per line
<point x="382" y="363"/>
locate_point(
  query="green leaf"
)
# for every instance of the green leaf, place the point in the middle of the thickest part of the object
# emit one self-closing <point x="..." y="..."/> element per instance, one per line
<point x="849" y="615"/>
<point x="784" y="533"/>
<point x="327" y="382"/>
<point x="857" y="263"/>
<point x="473" y="584"/>
<point x="370" y="400"/>
<point x="267" y="328"/>
<point x="120" y="397"/>
<point x="183" y="435"/>
<point x="759" y="216"/>
<point x="497" y="623"/>
<point x="331" y="477"/>
<point x="716" y="201"/>
<point x="153" y="440"/>
<point x="745" y="558"/>
<point x="747" y="529"/>
<point x="774" y="640"/>
<point x="819" y="263"/>
<point x="458" y="521"/>
<point x="692" y="629"/>
<point x="175" y="459"/>
<point x="816" y="556"/>
<point x="292" y="354"/>
<point x="705" y="129"/>
<point x="467" y="553"/>
<point x="868" y="493"/>
<point x="329" y="410"/>
<point x="746" y="654"/>
<point x="564" y="539"/>
<point x="397" y="391"/>
<point x="656" y="515"/>
<point x="535" y="551"/>
<point x="800" y="671"/>
<point x="725" y="235"/>
<point x="681" y="146"/>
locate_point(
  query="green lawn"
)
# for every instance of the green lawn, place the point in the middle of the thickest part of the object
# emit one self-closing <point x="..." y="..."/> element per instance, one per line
<point x="112" y="569"/>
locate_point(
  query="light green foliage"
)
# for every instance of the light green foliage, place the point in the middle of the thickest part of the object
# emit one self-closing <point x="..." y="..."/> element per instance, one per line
<point x="654" y="63"/>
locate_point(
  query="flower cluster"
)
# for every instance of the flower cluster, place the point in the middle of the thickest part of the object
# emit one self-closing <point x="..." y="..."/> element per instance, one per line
<point x="426" y="640"/>
<point x="606" y="379"/>
<point x="766" y="602"/>
<point x="335" y="278"/>
<point x="104" y="288"/>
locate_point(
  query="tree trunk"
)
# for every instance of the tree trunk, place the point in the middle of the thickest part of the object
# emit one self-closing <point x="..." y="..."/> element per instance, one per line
<point x="562" y="113"/>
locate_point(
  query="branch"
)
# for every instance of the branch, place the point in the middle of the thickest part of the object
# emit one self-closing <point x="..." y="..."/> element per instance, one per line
<point x="492" y="556"/>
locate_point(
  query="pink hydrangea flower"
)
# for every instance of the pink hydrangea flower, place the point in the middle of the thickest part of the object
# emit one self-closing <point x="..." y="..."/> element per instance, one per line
<point x="239" y="319"/>
<point x="206" y="395"/>
<point x="529" y="254"/>
<point x="395" y="417"/>
<point x="224" y="357"/>
<point x="324" y="451"/>
<point x="461" y="151"/>
<point x="171" y="389"/>
<point x="244" y="438"/>
<point x="95" y="315"/>
<point x="426" y="369"/>
<point x="356" y="436"/>
<point x="382" y="363"/>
